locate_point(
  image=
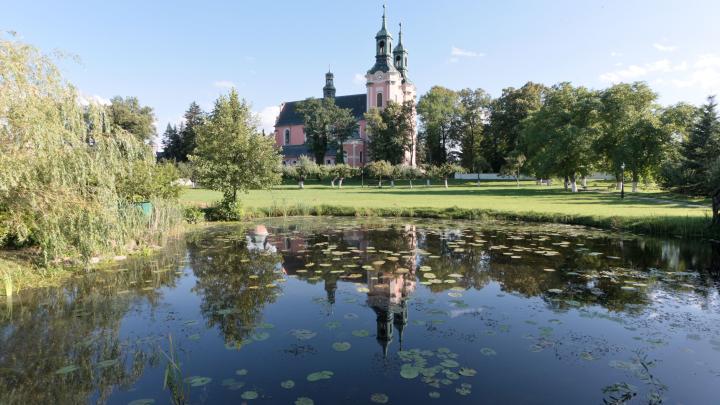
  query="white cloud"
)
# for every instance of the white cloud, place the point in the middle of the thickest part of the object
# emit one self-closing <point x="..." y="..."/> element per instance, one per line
<point x="664" y="48"/>
<point x="224" y="84"/>
<point x="455" y="51"/>
<point x="634" y="72"/>
<point x="267" y="117"/>
<point x="85" y="99"/>
<point x="359" y="79"/>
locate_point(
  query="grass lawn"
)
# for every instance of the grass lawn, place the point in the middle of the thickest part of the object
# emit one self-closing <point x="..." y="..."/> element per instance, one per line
<point x="495" y="196"/>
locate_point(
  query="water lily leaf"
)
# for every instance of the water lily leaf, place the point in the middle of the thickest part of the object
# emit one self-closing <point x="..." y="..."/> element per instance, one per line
<point x="486" y="351"/>
<point x="350" y="316"/>
<point x="379" y="398"/>
<point x="197" y="381"/>
<point x="249" y="395"/>
<point x="408" y="371"/>
<point x="260" y="336"/>
<point x="303" y="334"/>
<point x="304" y="401"/>
<point x="361" y="333"/>
<point x="434" y="394"/>
<point x="242" y="371"/>
<point x="287" y="384"/>
<point x="341" y="346"/>
<point x="450" y="363"/>
<point x="142" y="401"/>
<point x="320" y="375"/>
<point x="67" y="369"/>
<point x="467" y="372"/>
<point x="333" y="325"/>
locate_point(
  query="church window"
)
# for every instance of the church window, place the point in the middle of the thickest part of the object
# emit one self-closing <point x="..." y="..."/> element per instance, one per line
<point x="379" y="101"/>
<point x="381" y="47"/>
<point x="287" y="136"/>
<point x="361" y="157"/>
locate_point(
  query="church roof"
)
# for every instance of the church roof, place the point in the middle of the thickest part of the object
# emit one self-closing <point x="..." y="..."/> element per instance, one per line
<point x="357" y="103"/>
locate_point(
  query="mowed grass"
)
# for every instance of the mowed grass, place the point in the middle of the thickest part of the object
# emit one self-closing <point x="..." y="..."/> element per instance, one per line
<point x="492" y="196"/>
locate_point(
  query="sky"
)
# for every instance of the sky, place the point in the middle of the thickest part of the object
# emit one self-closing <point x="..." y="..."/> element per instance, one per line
<point x="170" y="53"/>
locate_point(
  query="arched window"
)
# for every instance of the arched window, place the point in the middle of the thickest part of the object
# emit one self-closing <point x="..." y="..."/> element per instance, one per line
<point x="381" y="47"/>
<point x="287" y="136"/>
<point x="379" y="101"/>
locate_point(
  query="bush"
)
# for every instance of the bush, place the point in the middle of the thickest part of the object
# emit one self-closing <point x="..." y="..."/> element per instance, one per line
<point x="225" y="211"/>
<point x="194" y="215"/>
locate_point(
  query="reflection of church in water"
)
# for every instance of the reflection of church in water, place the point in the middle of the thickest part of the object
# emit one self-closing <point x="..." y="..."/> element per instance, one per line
<point x="388" y="291"/>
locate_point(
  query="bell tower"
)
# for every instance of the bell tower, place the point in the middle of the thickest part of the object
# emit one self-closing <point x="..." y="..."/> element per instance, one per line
<point x="329" y="88"/>
<point x="400" y="56"/>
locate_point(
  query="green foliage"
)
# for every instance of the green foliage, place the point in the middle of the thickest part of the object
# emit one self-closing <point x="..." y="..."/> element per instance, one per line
<point x="128" y="114"/>
<point x="558" y="138"/>
<point x="231" y="155"/>
<point x="326" y="126"/>
<point x="66" y="175"/>
<point x="225" y="210"/>
<point x="380" y="169"/>
<point x="513" y="165"/>
<point x="469" y="128"/>
<point x="507" y="114"/>
<point x="436" y="110"/>
<point x="391" y="132"/>
<point x="194" y="215"/>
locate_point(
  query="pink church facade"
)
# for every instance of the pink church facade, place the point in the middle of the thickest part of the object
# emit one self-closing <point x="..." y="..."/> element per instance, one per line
<point x="386" y="81"/>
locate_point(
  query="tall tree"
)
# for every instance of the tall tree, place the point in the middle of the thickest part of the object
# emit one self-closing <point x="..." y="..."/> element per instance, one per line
<point x="436" y="110"/>
<point x="128" y="114"/>
<point x="194" y="117"/>
<point x="703" y="144"/>
<point x="469" y="127"/>
<point x="391" y="132"/>
<point x="231" y="154"/>
<point x="327" y="126"/>
<point x="507" y="113"/>
<point x="559" y="136"/>
<point x="171" y="143"/>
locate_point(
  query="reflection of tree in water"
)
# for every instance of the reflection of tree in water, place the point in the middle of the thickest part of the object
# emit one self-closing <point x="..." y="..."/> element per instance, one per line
<point x="79" y="326"/>
<point x="233" y="283"/>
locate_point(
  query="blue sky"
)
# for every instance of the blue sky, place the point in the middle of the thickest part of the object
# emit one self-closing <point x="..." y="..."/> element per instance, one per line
<point x="171" y="53"/>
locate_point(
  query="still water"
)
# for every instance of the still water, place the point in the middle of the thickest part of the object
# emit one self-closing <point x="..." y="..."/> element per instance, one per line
<point x="338" y="311"/>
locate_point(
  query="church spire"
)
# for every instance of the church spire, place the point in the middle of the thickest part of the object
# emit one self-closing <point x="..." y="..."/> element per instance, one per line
<point x="383" y="48"/>
<point x="400" y="56"/>
<point x="329" y="89"/>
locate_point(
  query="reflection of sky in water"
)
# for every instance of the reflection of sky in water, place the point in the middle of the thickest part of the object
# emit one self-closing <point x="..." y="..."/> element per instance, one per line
<point x="409" y="309"/>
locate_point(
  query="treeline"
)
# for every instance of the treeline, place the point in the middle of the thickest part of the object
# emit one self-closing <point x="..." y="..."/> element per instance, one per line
<point x="71" y="175"/>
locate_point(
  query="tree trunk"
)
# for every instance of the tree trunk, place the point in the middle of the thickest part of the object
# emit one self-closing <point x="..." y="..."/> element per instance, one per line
<point x="446" y="185"/>
<point x="517" y="180"/>
<point x="411" y="184"/>
<point x="392" y="183"/>
<point x="301" y="183"/>
<point x="573" y="184"/>
<point x="584" y="182"/>
<point x="635" y="180"/>
<point x="566" y="183"/>
<point x="716" y="207"/>
<point x="427" y="182"/>
<point x="380" y="183"/>
<point x="340" y="182"/>
<point x="332" y="182"/>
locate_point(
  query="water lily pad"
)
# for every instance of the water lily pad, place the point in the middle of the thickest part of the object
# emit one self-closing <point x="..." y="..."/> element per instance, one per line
<point x="341" y="346"/>
<point x="379" y="398"/>
<point x="467" y="372"/>
<point x="197" y="381"/>
<point x="351" y="315"/>
<point x="260" y="336"/>
<point x="304" y="401"/>
<point x="486" y="351"/>
<point x="242" y="371"/>
<point x="108" y="363"/>
<point x="67" y="369"/>
<point x="320" y="375"/>
<point x="361" y="333"/>
<point x="287" y="384"/>
<point x="303" y="334"/>
<point x="333" y="325"/>
<point x="249" y="395"/>
<point x="434" y="394"/>
<point x="450" y="363"/>
<point x="142" y="401"/>
<point x="409" y="372"/>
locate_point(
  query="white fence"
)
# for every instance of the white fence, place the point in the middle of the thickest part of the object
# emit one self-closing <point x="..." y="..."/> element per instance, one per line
<point x="498" y="176"/>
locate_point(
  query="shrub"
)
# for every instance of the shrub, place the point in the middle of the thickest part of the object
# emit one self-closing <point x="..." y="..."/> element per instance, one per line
<point x="194" y="215"/>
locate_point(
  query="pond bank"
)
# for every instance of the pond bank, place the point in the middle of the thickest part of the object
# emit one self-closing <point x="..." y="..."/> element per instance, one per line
<point x="672" y="226"/>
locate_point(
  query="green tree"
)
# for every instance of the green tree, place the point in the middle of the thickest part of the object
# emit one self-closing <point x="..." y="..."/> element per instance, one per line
<point x="391" y="132"/>
<point x="436" y="110"/>
<point x="513" y="165"/>
<point x="507" y="114"/>
<point x="231" y="154"/>
<point x="327" y="126"/>
<point x="559" y="137"/>
<point x="171" y="143"/>
<point x="445" y="170"/>
<point x="128" y="114"/>
<point x="469" y="127"/>
<point x="703" y="144"/>
<point x="340" y="172"/>
<point x="194" y="117"/>
<point x="380" y="169"/>
<point x="410" y="173"/>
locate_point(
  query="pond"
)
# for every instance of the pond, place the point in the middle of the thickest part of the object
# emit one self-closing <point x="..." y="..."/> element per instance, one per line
<point x="396" y="311"/>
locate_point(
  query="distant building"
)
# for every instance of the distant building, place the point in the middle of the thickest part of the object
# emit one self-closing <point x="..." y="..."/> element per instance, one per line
<point x="386" y="81"/>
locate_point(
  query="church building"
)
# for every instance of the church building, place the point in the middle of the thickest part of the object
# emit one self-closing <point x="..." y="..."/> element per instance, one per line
<point x="386" y="81"/>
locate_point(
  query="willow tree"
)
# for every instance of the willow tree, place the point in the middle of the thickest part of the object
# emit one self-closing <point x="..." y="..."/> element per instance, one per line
<point x="67" y="175"/>
<point x="231" y="155"/>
